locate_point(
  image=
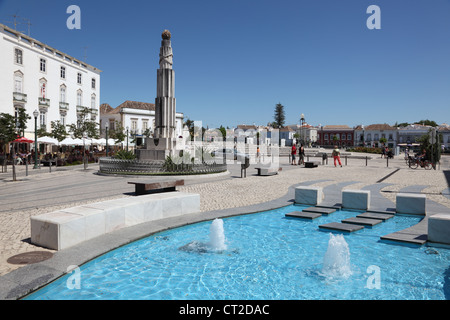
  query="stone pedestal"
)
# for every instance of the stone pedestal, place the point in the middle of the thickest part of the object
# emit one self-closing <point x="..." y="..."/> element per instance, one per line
<point x="157" y="149"/>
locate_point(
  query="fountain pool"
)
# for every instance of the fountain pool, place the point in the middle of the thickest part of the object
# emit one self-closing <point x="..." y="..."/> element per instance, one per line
<point x="263" y="256"/>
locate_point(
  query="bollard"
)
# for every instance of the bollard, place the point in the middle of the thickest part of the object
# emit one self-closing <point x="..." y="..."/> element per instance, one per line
<point x="387" y="162"/>
<point x="346" y="160"/>
<point x="50" y="166"/>
<point x="366" y="161"/>
<point x="26" y="167"/>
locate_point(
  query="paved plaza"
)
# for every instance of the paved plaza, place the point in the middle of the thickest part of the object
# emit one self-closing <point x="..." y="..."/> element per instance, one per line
<point x="223" y="194"/>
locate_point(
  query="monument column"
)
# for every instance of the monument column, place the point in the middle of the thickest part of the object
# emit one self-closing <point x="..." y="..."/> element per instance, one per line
<point x="164" y="137"/>
<point x="165" y="93"/>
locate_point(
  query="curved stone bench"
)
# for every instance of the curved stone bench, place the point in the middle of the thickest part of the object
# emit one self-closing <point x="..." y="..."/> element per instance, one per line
<point x="67" y="227"/>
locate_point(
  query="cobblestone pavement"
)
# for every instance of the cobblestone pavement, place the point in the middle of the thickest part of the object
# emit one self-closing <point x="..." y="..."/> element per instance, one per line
<point x="43" y="191"/>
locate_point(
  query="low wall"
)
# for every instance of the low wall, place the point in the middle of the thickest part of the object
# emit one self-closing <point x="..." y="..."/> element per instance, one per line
<point x="67" y="227"/>
<point x="118" y="166"/>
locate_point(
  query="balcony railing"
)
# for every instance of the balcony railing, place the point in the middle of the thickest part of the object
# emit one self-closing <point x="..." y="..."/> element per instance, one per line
<point x="63" y="106"/>
<point x="93" y="111"/>
<point x="81" y="109"/>
<point x="19" y="97"/>
<point x="43" y="102"/>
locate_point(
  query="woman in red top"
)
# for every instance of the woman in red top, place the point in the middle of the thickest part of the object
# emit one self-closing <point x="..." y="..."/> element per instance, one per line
<point x="293" y="152"/>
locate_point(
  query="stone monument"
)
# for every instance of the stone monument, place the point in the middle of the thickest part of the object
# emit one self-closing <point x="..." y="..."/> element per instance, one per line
<point x="164" y="138"/>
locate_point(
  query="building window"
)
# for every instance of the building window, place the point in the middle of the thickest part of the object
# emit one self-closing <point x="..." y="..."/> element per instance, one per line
<point x="18" y="56"/>
<point x="144" y="125"/>
<point x="79" y="98"/>
<point x="63" y="119"/>
<point x="133" y="126"/>
<point x="63" y="72"/>
<point x="18" y="82"/>
<point x="93" y="101"/>
<point x="43" y="65"/>
<point x="93" y="83"/>
<point x="344" y="136"/>
<point x="369" y="137"/>
<point x="326" y="136"/>
<point x="42" y="119"/>
<point x="375" y="137"/>
<point x="79" y="78"/>
<point x="62" y="94"/>
<point x="390" y="137"/>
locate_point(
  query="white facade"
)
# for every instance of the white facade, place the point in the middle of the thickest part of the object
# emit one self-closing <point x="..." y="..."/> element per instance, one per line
<point x="370" y="135"/>
<point x="35" y="76"/>
<point x="138" y="117"/>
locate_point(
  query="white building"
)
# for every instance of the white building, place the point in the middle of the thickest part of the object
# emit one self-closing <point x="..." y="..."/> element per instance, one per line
<point x="35" y="76"/>
<point x="137" y="117"/>
<point x="370" y="135"/>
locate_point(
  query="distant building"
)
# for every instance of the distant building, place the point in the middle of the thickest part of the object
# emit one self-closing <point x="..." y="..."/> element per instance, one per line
<point x="444" y="130"/>
<point x="35" y="76"/>
<point x="341" y="135"/>
<point x="138" y="117"/>
<point x="412" y="132"/>
<point x="370" y="135"/>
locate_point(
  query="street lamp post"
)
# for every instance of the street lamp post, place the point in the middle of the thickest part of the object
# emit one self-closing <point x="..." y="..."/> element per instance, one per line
<point x="35" y="114"/>
<point x="127" y="137"/>
<point x="106" y="133"/>
<point x="85" y="159"/>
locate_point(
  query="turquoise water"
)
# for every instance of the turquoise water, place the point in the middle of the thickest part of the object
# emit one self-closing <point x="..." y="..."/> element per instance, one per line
<point x="268" y="256"/>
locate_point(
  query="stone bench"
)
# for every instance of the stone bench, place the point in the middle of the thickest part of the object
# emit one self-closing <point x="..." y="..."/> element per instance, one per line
<point x="308" y="195"/>
<point x="439" y="228"/>
<point x="356" y="199"/>
<point x="67" y="227"/>
<point x="267" y="171"/>
<point x="311" y="164"/>
<point x="411" y="203"/>
<point x="156" y="187"/>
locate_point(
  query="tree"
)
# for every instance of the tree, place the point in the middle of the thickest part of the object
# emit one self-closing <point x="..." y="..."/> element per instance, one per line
<point x="279" y="116"/>
<point x="118" y="133"/>
<point x="383" y="140"/>
<point x="7" y="130"/>
<point x="224" y="132"/>
<point x="58" y="130"/>
<point x="428" y="123"/>
<point x="85" y="126"/>
<point x="190" y="124"/>
<point x="10" y="128"/>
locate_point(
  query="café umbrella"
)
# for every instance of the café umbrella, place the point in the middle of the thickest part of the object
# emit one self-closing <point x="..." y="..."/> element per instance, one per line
<point x="23" y="140"/>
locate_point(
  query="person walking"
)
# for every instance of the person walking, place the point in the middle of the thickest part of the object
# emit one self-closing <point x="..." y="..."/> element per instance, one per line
<point x="293" y="152"/>
<point x="336" y="156"/>
<point x="301" y="154"/>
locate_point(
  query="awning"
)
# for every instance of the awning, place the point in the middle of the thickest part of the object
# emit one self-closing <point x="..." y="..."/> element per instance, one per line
<point x="23" y="140"/>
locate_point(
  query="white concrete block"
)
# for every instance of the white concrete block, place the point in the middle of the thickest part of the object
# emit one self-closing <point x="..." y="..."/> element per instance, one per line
<point x="439" y="228"/>
<point x="411" y="203"/>
<point x="308" y="195"/>
<point x="51" y="229"/>
<point x="64" y="228"/>
<point x="356" y="199"/>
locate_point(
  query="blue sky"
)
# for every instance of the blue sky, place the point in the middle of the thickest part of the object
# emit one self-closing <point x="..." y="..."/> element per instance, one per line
<point x="234" y="60"/>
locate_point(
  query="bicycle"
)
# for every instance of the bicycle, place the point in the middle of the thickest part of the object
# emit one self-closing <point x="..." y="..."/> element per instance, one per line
<point x="414" y="163"/>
